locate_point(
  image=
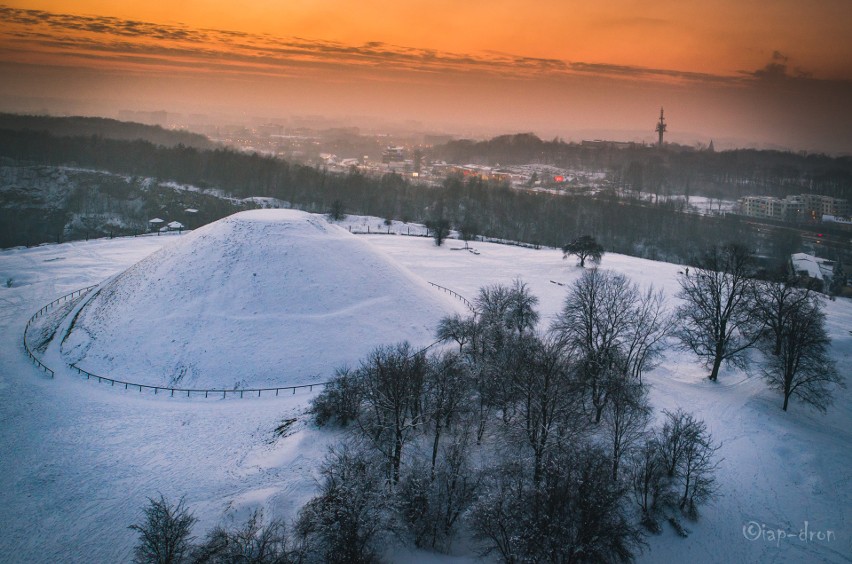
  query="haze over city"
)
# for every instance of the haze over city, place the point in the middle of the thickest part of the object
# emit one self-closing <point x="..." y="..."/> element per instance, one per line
<point x="761" y="74"/>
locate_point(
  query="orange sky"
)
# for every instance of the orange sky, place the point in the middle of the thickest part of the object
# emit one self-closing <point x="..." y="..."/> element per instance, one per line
<point x="753" y="71"/>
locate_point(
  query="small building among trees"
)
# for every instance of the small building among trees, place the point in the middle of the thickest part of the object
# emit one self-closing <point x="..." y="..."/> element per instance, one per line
<point x="813" y="271"/>
<point x="175" y="226"/>
<point x="155" y="224"/>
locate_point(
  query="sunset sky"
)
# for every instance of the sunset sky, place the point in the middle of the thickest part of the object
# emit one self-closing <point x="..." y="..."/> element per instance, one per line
<point x="742" y="72"/>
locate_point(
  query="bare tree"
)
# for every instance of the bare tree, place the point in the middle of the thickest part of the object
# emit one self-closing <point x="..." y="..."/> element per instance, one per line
<point x="719" y="318"/>
<point x="340" y="399"/>
<point x="649" y="327"/>
<point x="803" y="366"/>
<point x="522" y="314"/>
<point x="775" y="301"/>
<point x="625" y="419"/>
<point x="576" y="514"/>
<point x="446" y="393"/>
<point x="498" y="516"/>
<point x="164" y="535"/>
<point x="547" y="398"/>
<point x="507" y="308"/>
<point x="336" y="211"/>
<point x="697" y="469"/>
<point x="584" y="248"/>
<point x="687" y="452"/>
<point x="648" y="481"/>
<point x="432" y="503"/>
<point x="392" y="386"/>
<point x="468" y="231"/>
<point x="456" y="328"/>
<point x="616" y="331"/>
<point x="505" y="316"/>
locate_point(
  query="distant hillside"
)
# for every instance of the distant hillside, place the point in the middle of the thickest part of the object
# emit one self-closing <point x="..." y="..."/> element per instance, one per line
<point x="108" y="128"/>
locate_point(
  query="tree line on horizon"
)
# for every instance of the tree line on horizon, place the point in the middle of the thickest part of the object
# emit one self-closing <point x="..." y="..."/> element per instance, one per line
<point x="672" y="169"/>
<point x="493" y="209"/>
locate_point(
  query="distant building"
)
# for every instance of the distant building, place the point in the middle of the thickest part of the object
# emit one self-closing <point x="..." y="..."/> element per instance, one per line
<point x="802" y="207"/>
<point x="393" y="155"/>
<point x="818" y="206"/>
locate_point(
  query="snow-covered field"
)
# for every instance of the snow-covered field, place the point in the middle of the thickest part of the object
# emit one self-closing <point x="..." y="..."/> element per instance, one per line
<point x="79" y="458"/>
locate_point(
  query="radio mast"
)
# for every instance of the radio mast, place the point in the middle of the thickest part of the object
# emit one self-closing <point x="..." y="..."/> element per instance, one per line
<point x="661" y="127"/>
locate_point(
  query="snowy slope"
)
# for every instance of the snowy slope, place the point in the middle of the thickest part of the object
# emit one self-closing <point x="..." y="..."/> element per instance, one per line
<point x="262" y="298"/>
<point x="85" y="456"/>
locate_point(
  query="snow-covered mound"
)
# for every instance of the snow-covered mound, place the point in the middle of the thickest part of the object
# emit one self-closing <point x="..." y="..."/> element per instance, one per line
<point x="262" y="298"/>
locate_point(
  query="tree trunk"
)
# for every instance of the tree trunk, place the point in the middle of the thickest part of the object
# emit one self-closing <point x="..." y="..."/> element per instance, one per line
<point x="537" y="468"/>
<point x="717" y="362"/>
<point x="397" y="457"/>
<point x="788" y="389"/>
<point x="435" y="444"/>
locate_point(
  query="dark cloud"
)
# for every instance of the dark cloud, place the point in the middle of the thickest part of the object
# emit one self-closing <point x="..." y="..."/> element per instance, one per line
<point x="777" y="70"/>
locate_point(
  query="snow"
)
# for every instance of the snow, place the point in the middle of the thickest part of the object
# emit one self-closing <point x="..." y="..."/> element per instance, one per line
<point x="81" y="458"/>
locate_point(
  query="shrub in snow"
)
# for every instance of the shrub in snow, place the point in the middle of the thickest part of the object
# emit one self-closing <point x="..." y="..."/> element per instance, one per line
<point x="336" y="212"/>
<point x="340" y="400"/>
<point x="345" y="523"/>
<point x="164" y="534"/>
<point x="252" y="542"/>
<point x="432" y="502"/>
<point x="576" y="514"/>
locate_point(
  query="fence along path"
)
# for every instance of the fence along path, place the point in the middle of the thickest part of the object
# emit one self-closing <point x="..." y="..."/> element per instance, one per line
<point x="40" y="313"/>
<point x="464" y="300"/>
<point x="188" y="392"/>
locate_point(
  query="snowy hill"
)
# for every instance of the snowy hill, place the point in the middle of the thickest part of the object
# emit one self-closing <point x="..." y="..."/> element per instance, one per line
<point x="262" y="298"/>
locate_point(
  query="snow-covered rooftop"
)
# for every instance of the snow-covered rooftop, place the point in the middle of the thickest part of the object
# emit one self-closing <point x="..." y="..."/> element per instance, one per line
<point x="814" y="267"/>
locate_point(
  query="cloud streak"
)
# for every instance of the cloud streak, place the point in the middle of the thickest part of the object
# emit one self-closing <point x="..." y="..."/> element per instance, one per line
<point x="73" y="39"/>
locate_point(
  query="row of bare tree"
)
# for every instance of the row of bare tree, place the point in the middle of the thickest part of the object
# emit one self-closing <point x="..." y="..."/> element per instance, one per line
<point x="726" y="311"/>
